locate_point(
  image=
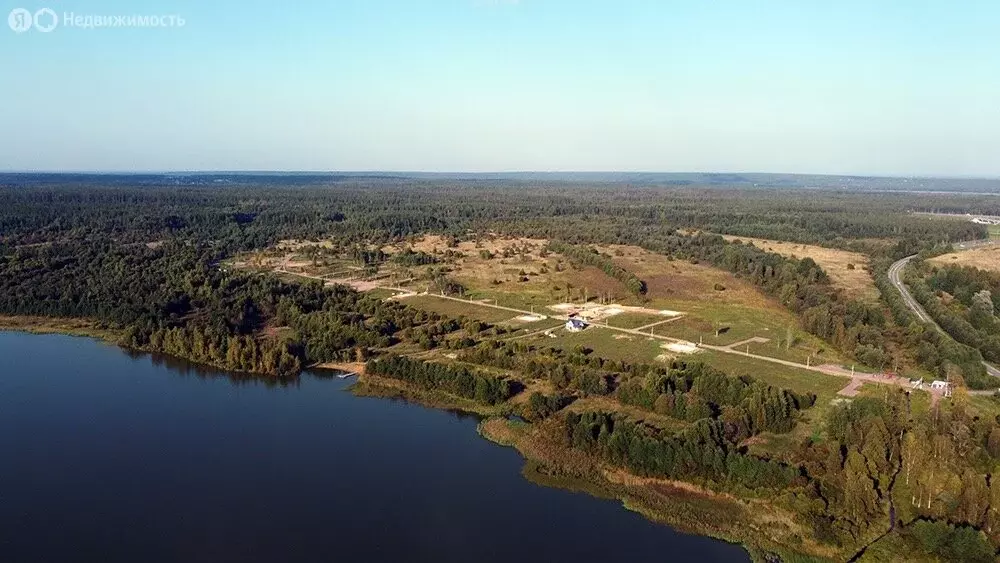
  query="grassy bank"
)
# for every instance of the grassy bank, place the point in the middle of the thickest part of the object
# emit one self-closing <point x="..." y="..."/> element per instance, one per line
<point x="58" y="325"/>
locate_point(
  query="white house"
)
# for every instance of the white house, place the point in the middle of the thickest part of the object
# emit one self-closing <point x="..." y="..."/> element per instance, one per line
<point x="944" y="386"/>
<point x="575" y="325"/>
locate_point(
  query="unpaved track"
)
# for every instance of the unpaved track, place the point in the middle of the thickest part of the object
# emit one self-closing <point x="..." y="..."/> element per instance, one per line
<point x="857" y="378"/>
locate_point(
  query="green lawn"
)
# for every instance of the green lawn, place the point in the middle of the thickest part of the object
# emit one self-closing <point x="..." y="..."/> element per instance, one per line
<point x="737" y="323"/>
<point x="521" y="301"/>
<point x="799" y="353"/>
<point x="634" y="320"/>
<point x="603" y="342"/>
<point x="381" y="293"/>
<point x="457" y="309"/>
<point x="987" y="405"/>
<point x="795" y="379"/>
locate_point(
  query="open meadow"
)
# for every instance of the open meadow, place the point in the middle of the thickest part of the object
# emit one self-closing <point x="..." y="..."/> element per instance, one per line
<point x="984" y="258"/>
<point x="847" y="270"/>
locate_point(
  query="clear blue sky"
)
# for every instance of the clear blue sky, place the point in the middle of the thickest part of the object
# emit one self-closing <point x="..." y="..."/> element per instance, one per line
<point x="868" y="87"/>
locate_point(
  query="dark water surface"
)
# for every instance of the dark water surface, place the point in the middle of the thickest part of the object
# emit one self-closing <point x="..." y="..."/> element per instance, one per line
<point x="107" y="457"/>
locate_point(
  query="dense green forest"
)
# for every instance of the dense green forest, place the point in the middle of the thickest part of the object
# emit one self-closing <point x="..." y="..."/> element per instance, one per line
<point x="934" y="351"/>
<point x="962" y="300"/>
<point x="457" y="380"/>
<point x="258" y="211"/>
<point x="173" y="299"/>
<point x="700" y="452"/>
<point x="144" y="258"/>
<point x="67" y="249"/>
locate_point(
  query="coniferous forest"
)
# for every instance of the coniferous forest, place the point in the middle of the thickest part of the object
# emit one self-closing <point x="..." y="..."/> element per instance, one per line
<point x="144" y="257"/>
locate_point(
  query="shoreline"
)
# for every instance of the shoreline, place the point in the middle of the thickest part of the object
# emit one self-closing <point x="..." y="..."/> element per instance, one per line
<point x="682" y="506"/>
<point x="69" y="326"/>
<point x="357" y="368"/>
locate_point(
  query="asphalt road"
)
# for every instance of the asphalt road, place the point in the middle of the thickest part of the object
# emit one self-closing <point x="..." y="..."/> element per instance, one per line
<point x="894" y="276"/>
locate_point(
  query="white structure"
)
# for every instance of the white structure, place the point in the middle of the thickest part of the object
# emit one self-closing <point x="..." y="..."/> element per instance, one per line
<point x="917" y="383"/>
<point x="575" y="325"/>
<point x="938" y="385"/>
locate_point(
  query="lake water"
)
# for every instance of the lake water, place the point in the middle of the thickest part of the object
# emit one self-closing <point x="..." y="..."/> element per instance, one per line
<point x="110" y="457"/>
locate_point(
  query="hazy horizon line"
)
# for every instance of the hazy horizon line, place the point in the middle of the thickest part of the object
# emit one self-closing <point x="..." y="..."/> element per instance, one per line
<point x="112" y="172"/>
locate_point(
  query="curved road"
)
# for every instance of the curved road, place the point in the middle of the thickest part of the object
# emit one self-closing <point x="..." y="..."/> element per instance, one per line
<point x="894" y="276"/>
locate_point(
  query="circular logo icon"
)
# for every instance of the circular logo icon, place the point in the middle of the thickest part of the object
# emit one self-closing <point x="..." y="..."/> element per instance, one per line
<point x="19" y="20"/>
<point x="46" y="20"/>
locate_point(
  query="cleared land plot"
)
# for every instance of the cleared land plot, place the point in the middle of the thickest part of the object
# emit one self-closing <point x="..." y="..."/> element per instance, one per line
<point x="636" y="320"/>
<point x="514" y="272"/>
<point x="985" y="258"/>
<point x="738" y="324"/>
<point x="673" y="284"/>
<point x="798" y="380"/>
<point x="738" y="312"/>
<point x="605" y="343"/>
<point x="856" y="282"/>
<point x="799" y="353"/>
<point x="457" y="309"/>
<point x="546" y="324"/>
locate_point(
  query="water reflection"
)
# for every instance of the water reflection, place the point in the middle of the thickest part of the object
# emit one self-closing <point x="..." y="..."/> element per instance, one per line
<point x="186" y="368"/>
<point x="112" y="457"/>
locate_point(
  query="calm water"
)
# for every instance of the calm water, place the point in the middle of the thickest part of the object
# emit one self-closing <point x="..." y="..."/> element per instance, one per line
<point x="107" y="457"/>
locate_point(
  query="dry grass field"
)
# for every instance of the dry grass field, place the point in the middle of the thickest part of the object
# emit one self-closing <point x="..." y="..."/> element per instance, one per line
<point x="717" y="307"/>
<point x="985" y="258"/>
<point x="675" y="284"/>
<point x="516" y="269"/>
<point x="740" y="310"/>
<point x="856" y="282"/>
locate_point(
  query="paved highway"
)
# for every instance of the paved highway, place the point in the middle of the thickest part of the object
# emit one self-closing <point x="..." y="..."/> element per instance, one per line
<point x="894" y="276"/>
